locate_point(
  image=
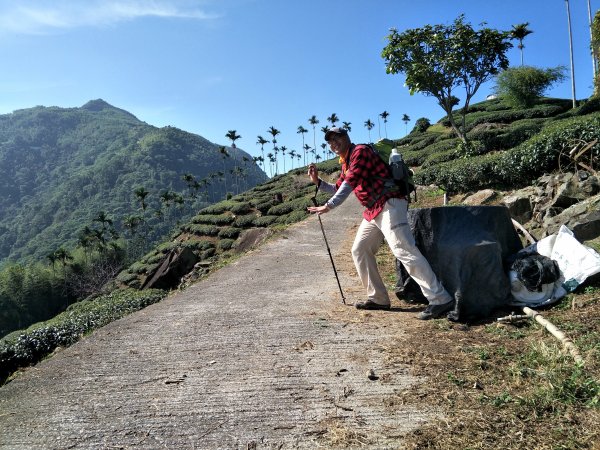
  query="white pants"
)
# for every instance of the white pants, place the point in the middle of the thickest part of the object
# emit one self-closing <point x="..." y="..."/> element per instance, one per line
<point x="392" y="224"/>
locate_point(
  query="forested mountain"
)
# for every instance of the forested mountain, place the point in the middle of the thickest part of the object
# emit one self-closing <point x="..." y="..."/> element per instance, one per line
<point x="61" y="167"/>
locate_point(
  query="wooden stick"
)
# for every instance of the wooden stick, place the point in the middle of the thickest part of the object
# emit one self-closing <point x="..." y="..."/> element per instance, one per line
<point x="567" y="343"/>
<point x="522" y="229"/>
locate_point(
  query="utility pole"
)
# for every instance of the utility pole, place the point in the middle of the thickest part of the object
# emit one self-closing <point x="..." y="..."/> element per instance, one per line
<point x="571" y="52"/>
<point x="594" y="61"/>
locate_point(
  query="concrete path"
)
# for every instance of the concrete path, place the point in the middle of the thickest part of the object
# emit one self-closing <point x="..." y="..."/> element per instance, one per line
<point x="261" y="354"/>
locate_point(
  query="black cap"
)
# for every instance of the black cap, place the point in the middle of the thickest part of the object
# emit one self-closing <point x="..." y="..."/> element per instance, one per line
<point x="335" y="130"/>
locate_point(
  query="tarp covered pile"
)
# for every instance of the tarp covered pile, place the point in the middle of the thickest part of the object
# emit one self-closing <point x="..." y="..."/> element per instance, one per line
<point x="478" y="256"/>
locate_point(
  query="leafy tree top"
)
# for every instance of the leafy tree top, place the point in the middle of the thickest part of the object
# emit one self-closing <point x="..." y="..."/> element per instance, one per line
<point x="437" y="60"/>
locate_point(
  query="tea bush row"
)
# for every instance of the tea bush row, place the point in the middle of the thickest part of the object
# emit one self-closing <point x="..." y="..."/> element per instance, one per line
<point x="518" y="166"/>
<point x="25" y="347"/>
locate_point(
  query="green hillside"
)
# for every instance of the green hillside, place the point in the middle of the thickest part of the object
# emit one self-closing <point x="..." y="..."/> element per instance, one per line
<point x="60" y="167"/>
<point x="509" y="148"/>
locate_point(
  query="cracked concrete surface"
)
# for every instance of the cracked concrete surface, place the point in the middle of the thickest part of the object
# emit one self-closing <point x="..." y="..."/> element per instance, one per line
<point x="260" y="354"/>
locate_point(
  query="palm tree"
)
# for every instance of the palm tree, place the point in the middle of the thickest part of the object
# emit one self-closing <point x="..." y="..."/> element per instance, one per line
<point x="306" y="150"/>
<point x="262" y="141"/>
<point x="233" y="136"/>
<point x="131" y="223"/>
<point x="271" y="162"/>
<point x="405" y="119"/>
<point x="274" y="132"/>
<point x="346" y="126"/>
<point x="333" y="118"/>
<point x="141" y="194"/>
<point x="52" y="259"/>
<point x="571" y="53"/>
<point x="384" y="115"/>
<point x="224" y="155"/>
<point x="106" y="225"/>
<point x="302" y="130"/>
<point x="519" y="32"/>
<point x="292" y="156"/>
<point x="369" y="126"/>
<point x="314" y="121"/>
<point x="283" y="148"/>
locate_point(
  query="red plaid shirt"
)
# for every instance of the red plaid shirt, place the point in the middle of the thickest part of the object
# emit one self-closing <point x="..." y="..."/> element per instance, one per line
<point x="365" y="171"/>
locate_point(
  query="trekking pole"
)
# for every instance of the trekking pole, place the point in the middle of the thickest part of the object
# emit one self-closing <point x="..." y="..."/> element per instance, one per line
<point x="314" y="200"/>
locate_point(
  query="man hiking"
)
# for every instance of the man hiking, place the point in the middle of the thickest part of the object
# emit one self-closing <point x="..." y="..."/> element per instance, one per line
<point x="384" y="217"/>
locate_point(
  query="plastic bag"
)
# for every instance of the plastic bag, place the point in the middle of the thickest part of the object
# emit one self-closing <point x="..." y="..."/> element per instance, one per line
<point x="576" y="261"/>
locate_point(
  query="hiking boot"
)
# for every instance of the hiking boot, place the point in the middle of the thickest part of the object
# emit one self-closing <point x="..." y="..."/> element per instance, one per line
<point x="410" y="296"/>
<point x="368" y="304"/>
<point x="435" y="311"/>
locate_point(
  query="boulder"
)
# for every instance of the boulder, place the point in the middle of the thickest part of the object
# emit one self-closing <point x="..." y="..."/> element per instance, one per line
<point x="177" y="263"/>
<point x="481" y="197"/>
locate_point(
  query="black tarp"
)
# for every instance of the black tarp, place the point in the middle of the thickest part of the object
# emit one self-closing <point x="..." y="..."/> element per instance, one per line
<point x="467" y="247"/>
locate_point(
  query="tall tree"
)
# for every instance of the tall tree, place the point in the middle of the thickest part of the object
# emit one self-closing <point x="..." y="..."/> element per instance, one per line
<point x="369" y="125"/>
<point x="438" y="59"/>
<point x="384" y="115"/>
<point x="333" y="118"/>
<point x="224" y="155"/>
<point x="314" y="122"/>
<point x="233" y="136"/>
<point x="274" y="132"/>
<point x="347" y="126"/>
<point x="283" y="149"/>
<point x="141" y="195"/>
<point x="302" y="130"/>
<point x="262" y="141"/>
<point x="405" y="119"/>
<point x="519" y="32"/>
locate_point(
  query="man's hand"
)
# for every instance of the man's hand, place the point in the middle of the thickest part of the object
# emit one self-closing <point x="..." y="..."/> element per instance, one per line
<point x="319" y="209"/>
<point x="313" y="173"/>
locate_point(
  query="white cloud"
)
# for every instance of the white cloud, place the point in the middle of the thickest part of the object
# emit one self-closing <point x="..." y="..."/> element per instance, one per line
<point x="43" y="16"/>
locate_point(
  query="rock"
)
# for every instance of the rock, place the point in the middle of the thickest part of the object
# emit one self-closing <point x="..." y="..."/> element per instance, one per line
<point x="481" y="197"/>
<point x="177" y="263"/>
<point x="519" y="204"/>
<point x="583" y="219"/>
<point x="558" y="199"/>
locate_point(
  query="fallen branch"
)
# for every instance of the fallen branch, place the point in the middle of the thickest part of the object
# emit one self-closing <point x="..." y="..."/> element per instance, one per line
<point x="522" y="229"/>
<point x="567" y="343"/>
<point x="513" y="318"/>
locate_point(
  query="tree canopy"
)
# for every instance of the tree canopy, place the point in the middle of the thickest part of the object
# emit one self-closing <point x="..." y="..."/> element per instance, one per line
<point x="438" y="60"/>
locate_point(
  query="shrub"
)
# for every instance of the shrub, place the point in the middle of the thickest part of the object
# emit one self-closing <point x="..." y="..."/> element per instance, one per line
<point x="198" y="244"/>
<point x="522" y="86"/>
<point x="230" y="232"/>
<point x="241" y="208"/>
<point x="202" y="230"/>
<point x="214" y="219"/>
<point x="264" y="221"/>
<point x="421" y="125"/>
<point x="225" y="244"/>
<point x="281" y="209"/>
<point x="245" y="221"/>
<point x="293" y="217"/>
<point x="518" y="166"/>
<point x="264" y="206"/>
<point x="23" y="348"/>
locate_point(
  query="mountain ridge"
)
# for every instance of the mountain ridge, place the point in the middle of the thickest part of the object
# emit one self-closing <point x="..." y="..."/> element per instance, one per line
<point x="60" y="166"/>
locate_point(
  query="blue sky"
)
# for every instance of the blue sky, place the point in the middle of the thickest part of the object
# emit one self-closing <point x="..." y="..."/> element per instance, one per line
<point x="209" y="66"/>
